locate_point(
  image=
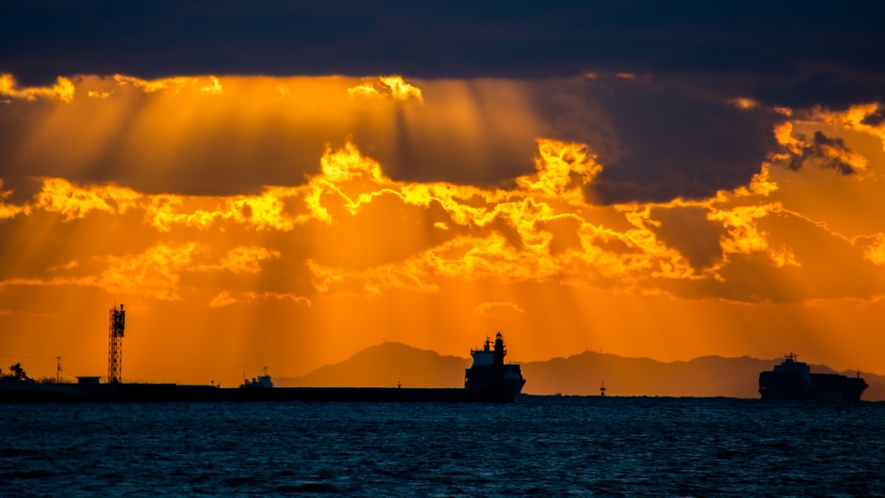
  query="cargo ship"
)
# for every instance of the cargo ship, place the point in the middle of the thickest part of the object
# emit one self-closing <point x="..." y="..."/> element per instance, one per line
<point x="793" y="379"/>
<point x="90" y="389"/>
<point x="489" y="369"/>
<point x="489" y="381"/>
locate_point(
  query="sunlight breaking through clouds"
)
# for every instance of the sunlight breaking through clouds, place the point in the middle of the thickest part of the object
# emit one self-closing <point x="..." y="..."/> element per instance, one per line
<point x="158" y="201"/>
<point x="508" y="235"/>
<point x="62" y="90"/>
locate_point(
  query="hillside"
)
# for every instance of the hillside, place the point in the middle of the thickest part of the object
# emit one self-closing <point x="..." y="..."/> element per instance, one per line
<point x="383" y="366"/>
<point x="582" y="374"/>
<point x="705" y="376"/>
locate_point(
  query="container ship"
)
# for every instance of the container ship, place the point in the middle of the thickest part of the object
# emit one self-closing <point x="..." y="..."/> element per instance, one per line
<point x="793" y="379"/>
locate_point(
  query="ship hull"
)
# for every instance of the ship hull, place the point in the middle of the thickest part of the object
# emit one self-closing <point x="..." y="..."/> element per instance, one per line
<point x="829" y="387"/>
<point x="483" y="377"/>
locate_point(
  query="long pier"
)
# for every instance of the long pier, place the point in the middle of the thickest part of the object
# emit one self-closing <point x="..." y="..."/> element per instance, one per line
<point x="14" y="392"/>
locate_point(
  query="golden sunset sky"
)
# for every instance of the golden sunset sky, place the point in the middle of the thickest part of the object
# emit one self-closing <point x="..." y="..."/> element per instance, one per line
<point x="289" y="222"/>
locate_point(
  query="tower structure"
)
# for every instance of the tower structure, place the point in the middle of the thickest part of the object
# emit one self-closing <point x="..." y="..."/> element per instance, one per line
<point x="116" y="325"/>
<point x="500" y="353"/>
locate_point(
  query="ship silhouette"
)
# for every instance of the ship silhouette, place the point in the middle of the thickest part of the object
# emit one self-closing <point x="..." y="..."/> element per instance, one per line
<point x="793" y="380"/>
<point x="489" y="369"/>
<point x="489" y="380"/>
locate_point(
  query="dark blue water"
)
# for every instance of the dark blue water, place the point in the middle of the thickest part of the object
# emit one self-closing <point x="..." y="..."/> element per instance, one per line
<point x="544" y="446"/>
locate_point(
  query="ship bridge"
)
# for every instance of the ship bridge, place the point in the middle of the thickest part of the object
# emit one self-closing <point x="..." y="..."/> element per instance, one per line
<point x="489" y="370"/>
<point x="484" y="356"/>
<point x="790" y="365"/>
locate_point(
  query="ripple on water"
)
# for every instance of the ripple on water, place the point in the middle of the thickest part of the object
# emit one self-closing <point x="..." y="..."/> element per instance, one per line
<point x="538" y="446"/>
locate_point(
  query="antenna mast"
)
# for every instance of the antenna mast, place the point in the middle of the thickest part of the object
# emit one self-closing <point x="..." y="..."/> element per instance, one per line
<point x="116" y="325"/>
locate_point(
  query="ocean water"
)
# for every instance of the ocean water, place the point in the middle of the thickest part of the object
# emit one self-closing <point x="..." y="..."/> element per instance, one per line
<point x="545" y="446"/>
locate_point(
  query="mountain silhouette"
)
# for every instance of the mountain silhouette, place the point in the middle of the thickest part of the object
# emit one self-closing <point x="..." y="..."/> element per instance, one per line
<point x="582" y="374"/>
<point x="705" y="376"/>
<point x="385" y="365"/>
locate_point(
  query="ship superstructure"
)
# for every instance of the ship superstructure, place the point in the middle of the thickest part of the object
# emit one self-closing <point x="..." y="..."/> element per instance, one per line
<point x="263" y="381"/>
<point x="793" y="379"/>
<point x="489" y="370"/>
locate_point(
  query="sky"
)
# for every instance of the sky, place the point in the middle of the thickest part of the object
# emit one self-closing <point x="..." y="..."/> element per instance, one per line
<point x="288" y="185"/>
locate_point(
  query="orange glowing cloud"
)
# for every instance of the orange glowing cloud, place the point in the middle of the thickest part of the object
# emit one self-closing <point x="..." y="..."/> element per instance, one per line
<point x="61" y="196"/>
<point x="153" y="273"/>
<point x="228" y="298"/>
<point x="392" y="87"/>
<point x="497" y="309"/>
<point x="553" y="193"/>
<point x="744" y="236"/>
<point x="156" y="272"/>
<point x="244" y="260"/>
<point x="8" y="210"/>
<point x="831" y="152"/>
<point x="221" y="300"/>
<point x="875" y="251"/>
<point x="855" y="118"/>
<point x="152" y="86"/>
<point x="504" y="235"/>
<point x="63" y="90"/>
<point x="214" y="88"/>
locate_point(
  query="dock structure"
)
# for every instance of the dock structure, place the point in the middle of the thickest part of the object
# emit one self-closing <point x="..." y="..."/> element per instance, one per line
<point x="90" y="389"/>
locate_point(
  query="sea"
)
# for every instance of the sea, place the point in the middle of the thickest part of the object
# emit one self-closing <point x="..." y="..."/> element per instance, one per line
<point x="540" y="445"/>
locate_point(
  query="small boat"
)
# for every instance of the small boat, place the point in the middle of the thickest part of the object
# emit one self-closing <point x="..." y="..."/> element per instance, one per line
<point x="262" y="382"/>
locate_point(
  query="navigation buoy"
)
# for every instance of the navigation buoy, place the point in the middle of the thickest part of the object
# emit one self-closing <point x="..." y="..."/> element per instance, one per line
<point x="602" y="389"/>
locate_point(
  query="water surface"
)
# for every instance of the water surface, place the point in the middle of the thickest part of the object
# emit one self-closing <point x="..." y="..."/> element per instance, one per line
<point x="564" y="446"/>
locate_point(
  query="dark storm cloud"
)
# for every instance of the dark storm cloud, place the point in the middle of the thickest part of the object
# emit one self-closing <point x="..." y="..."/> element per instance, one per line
<point x="658" y="138"/>
<point x="829" y="152"/>
<point x="669" y="132"/>
<point x="876" y="118"/>
<point x="836" y="90"/>
<point x="799" y="53"/>
<point x="690" y="232"/>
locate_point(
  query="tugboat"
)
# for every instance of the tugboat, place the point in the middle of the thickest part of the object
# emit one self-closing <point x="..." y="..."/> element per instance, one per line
<point x="263" y="381"/>
<point x="489" y="370"/>
<point x="793" y="380"/>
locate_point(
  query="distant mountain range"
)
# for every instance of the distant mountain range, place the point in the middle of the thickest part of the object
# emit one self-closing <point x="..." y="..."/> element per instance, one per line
<point x="384" y="365"/>
<point x="391" y="362"/>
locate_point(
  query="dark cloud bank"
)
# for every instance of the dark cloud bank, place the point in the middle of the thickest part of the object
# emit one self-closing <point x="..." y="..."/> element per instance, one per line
<point x="656" y="141"/>
<point x="669" y="132"/>
<point x="659" y="139"/>
<point x="804" y="52"/>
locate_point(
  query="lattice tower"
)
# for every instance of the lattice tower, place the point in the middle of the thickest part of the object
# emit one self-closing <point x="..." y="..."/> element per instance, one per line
<point x="116" y="325"/>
